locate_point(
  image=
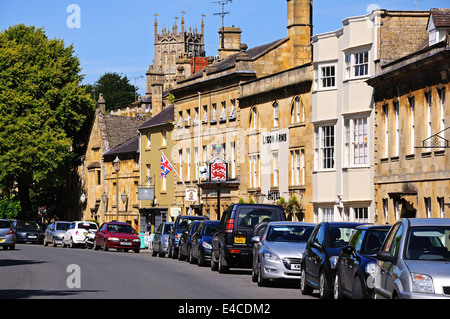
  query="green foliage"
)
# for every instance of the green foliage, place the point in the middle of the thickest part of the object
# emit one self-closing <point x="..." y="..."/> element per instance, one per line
<point x="117" y="90"/>
<point x="42" y="110"/>
<point x="251" y="201"/>
<point x="9" y="208"/>
<point x="241" y="201"/>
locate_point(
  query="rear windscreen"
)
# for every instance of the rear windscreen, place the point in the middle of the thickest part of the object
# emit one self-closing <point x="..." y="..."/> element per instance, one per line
<point x="250" y="217"/>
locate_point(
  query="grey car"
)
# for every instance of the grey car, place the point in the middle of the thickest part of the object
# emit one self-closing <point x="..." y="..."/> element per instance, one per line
<point x="414" y="261"/>
<point x="54" y="233"/>
<point x="279" y="251"/>
<point x="7" y="235"/>
<point x="160" y="242"/>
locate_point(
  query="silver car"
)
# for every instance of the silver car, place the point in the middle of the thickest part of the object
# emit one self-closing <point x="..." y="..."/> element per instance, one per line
<point x="279" y="251"/>
<point x="414" y="261"/>
<point x="160" y="242"/>
<point x="54" y="233"/>
<point x="7" y="235"/>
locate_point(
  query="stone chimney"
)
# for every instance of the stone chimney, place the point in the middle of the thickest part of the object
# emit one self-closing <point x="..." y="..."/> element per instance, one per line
<point x="229" y="41"/>
<point x="299" y="25"/>
<point x="101" y="104"/>
<point x="155" y="84"/>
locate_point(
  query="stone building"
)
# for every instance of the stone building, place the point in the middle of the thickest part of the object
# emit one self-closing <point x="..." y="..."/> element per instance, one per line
<point x="155" y="139"/>
<point x="238" y="103"/>
<point x="412" y="116"/>
<point x="111" y="136"/>
<point x="343" y="108"/>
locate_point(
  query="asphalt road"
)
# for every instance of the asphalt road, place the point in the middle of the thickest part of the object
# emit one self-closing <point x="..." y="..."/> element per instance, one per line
<point x="35" y="271"/>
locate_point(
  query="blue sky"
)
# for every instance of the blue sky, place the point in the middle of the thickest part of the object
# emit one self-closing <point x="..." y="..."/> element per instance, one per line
<point x="117" y="35"/>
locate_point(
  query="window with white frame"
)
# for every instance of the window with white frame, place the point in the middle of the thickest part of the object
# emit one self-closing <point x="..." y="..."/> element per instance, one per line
<point x="188" y="155"/>
<point x="164" y="138"/>
<point x="197" y="116"/>
<point x="233" y="160"/>
<point x="412" y="125"/>
<point x="428" y="102"/>
<point x="254" y="119"/>
<point x="357" y="64"/>
<point x="205" y="115"/>
<point x="386" y="209"/>
<point x="442" y="109"/>
<point x="324" y="147"/>
<point x="397" y="128"/>
<point x="297" y="167"/>
<point x="441" y="207"/>
<point x="254" y="171"/>
<point x="223" y="115"/>
<point x="327" y="76"/>
<point x="180" y="121"/>
<point x="386" y="130"/>
<point x="233" y="110"/>
<point x="297" y="111"/>
<point x="149" y="140"/>
<point x="275" y="169"/>
<point x="197" y="160"/>
<point x="180" y="158"/>
<point x="361" y="214"/>
<point x="356" y="141"/>
<point x="428" y="206"/>
<point x="214" y="112"/>
<point x="275" y="114"/>
<point x="328" y="214"/>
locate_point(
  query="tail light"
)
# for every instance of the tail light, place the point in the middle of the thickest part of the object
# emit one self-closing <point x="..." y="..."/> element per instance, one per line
<point x="11" y="231"/>
<point x="230" y="226"/>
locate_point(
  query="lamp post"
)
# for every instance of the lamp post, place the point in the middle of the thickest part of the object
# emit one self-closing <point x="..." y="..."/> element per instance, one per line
<point x="117" y="169"/>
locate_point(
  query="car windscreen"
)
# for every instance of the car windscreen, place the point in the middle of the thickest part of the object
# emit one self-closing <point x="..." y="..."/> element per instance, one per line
<point x="289" y="233"/>
<point x="62" y="226"/>
<point x="87" y="226"/>
<point x="249" y="217"/>
<point x="5" y="224"/>
<point x="340" y="236"/>
<point x="118" y="228"/>
<point x="428" y="243"/>
<point x="182" y="224"/>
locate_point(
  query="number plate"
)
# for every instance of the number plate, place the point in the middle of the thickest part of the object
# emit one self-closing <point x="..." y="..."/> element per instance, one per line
<point x="295" y="266"/>
<point x="1" y="240"/>
<point x="32" y="237"/>
<point x="125" y="243"/>
<point x="240" y="239"/>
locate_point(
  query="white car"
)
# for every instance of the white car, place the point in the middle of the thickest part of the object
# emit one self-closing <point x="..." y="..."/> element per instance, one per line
<point x="76" y="233"/>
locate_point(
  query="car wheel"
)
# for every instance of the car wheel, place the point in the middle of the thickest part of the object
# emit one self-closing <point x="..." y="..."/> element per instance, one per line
<point x="261" y="281"/>
<point x="254" y="274"/>
<point x="222" y="268"/>
<point x="71" y="244"/>
<point x="169" y="251"/>
<point x="180" y="255"/>
<point x="191" y="257"/>
<point x="45" y="243"/>
<point x="213" y="263"/>
<point x="161" y="253"/>
<point x="105" y="245"/>
<point x="337" y="289"/>
<point x="200" y="259"/>
<point x="54" y="243"/>
<point x="324" y="290"/>
<point x="154" y="252"/>
<point x="137" y="250"/>
<point x="304" y="288"/>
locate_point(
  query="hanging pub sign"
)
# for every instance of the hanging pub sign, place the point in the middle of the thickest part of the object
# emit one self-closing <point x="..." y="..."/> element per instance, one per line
<point x="191" y="195"/>
<point x="146" y="193"/>
<point x="218" y="170"/>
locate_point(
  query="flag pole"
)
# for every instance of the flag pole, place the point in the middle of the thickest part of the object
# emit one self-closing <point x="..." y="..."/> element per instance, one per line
<point x="173" y="168"/>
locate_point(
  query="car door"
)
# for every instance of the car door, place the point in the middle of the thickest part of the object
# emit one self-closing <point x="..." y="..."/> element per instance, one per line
<point x="350" y="260"/>
<point x="315" y="255"/>
<point x="157" y="238"/>
<point x="48" y="232"/>
<point x="385" y="280"/>
<point x="100" y="236"/>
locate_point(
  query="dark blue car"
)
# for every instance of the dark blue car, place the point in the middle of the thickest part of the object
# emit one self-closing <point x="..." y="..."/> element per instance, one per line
<point x="201" y="243"/>
<point x="357" y="262"/>
<point x="180" y="226"/>
<point x="184" y="247"/>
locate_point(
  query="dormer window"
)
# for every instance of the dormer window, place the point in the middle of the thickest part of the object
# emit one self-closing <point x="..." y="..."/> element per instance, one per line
<point x="438" y="25"/>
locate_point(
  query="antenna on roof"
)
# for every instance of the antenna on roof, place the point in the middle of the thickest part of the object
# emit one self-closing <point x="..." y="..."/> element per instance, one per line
<point x="222" y="14"/>
<point x="416" y="4"/>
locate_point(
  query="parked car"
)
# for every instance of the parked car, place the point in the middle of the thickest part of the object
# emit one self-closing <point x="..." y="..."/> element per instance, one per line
<point x="357" y="262"/>
<point x="181" y="225"/>
<point x="117" y="235"/>
<point x="54" y="233"/>
<point x="160" y="242"/>
<point x="321" y="255"/>
<point x="76" y="233"/>
<point x="184" y="247"/>
<point x="28" y="231"/>
<point x="201" y="243"/>
<point x="232" y="244"/>
<point x="414" y="261"/>
<point x="279" y="251"/>
<point x="7" y="235"/>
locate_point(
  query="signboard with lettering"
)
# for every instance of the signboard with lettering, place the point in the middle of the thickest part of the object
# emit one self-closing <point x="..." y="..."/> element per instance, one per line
<point x="146" y="194"/>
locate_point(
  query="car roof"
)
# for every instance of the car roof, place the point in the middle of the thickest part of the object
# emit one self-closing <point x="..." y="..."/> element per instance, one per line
<point x="282" y="223"/>
<point x="342" y="224"/>
<point x="374" y="226"/>
<point x="429" y="221"/>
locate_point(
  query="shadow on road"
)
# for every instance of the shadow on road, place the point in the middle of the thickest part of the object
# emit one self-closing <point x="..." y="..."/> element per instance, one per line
<point x="18" y="262"/>
<point x="29" y="293"/>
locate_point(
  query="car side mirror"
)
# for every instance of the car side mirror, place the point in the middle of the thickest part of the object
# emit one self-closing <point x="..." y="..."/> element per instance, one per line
<point x="316" y="245"/>
<point x="386" y="256"/>
<point x="256" y="239"/>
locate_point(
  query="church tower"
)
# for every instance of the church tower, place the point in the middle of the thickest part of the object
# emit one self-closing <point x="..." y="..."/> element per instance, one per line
<point x="173" y="44"/>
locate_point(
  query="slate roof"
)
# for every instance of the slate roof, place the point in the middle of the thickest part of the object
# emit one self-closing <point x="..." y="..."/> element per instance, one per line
<point x="120" y="129"/>
<point x="129" y="147"/>
<point x="164" y="117"/>
<point x="441" y="17"/>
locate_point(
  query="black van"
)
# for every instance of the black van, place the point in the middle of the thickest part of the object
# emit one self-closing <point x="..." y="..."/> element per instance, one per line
<point x="232" y="245"/>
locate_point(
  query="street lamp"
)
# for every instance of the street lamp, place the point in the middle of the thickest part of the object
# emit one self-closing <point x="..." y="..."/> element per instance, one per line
<point x="104" y="199"/>
<point x="124" y="197"/>
<point x="116" y="163"/>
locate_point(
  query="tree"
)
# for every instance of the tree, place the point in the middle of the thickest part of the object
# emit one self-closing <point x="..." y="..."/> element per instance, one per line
<point x="42" y="109"/>
<point x="117" y="90"/>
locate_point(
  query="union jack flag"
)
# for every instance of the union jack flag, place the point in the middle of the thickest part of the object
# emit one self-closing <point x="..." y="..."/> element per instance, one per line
<point x="165" y="166"/>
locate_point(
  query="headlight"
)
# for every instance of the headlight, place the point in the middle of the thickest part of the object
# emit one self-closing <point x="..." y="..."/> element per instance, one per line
<point x="422" y="283"/>
<point x="206" y="245"/>
<point x="333" y="261"/>
<point x="136" y="240"/>
<point x="113" y="239"/>
<point x="371" y="269"/>
<point x="271" y="257"/>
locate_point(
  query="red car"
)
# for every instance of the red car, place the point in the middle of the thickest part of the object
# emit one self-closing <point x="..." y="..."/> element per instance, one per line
<point x="117" y="235"/>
